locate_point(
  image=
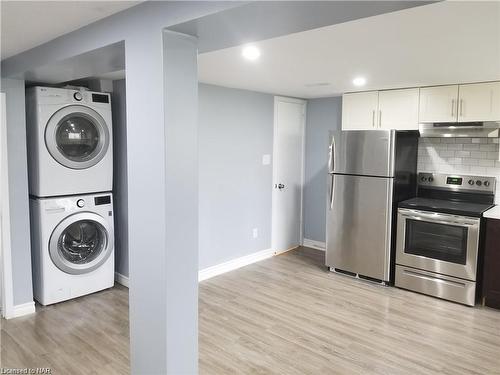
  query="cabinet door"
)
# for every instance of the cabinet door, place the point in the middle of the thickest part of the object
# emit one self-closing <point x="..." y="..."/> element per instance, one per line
<point x="479" y="102"/>
<point x="359" y="110"/>
<point x="439" y="104"/>
<point x="398" y="109"/>
<point x="491" y="276"/>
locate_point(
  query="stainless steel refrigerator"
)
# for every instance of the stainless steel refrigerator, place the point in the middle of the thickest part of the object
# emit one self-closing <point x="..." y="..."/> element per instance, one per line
<point x="369" y="172"/>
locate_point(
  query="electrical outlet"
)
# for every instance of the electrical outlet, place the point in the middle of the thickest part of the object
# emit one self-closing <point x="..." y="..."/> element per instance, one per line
<point x="255" y="233"/>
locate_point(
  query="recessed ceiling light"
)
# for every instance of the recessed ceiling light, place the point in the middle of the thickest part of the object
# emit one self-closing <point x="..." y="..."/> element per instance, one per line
<point x="251" y="53"/>
<point x="359" y="81"/>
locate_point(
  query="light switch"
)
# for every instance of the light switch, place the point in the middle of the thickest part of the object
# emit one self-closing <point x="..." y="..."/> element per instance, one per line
<point x="266" y="159"/>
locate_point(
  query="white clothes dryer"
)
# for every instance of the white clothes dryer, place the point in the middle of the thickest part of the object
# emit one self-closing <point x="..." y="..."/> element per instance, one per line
<point x="69" y="135"/>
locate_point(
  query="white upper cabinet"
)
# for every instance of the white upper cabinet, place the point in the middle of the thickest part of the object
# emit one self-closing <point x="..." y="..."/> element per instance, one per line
<point x="359" y="110"/>
<point x="398" y="109"/>
<point x="404" y="109"/>
<point x="439" y="104"/>
<point x="479" y="102"/>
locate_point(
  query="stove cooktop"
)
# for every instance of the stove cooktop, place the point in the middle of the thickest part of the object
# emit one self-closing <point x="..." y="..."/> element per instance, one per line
<point x="446" y="206"/>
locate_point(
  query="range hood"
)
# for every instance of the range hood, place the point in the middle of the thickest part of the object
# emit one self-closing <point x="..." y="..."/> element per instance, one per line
<point x="487" y="129"/>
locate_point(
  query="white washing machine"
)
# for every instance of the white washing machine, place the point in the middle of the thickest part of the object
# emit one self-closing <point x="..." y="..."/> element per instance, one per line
<point x="72" y="246"/>
<point x="69" y="135"/>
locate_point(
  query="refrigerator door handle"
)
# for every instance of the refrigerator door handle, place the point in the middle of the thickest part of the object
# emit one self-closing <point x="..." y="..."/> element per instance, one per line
<point x="332" y="180"/>
<point x="331" y="157"/>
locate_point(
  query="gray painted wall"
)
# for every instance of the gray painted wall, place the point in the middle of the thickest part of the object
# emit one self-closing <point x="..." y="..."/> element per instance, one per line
<point x="120" y="196"/>
<point x="323" y="115"/>
<point x="18" y="190"/>
<point x="236" y="130"/>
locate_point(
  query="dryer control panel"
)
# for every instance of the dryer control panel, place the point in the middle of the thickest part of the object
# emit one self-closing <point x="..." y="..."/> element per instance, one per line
<point x="55" y="95"/>
<point x="105" y="199"/>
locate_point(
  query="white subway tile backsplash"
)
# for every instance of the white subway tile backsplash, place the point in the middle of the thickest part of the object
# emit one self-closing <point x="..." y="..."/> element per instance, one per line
<point x="448" y="140"/>
<point x="472" y="146"/>
<point x="434" y="140"/>
<point x="488" y="147"/>
<point x="456" y="146"/>
<point x="463" y="154"/>
<point x="456" y="161"/>
<point x="479" y="140"/>
<point x="478" y="154"/>
<point x="446" y="153"/>
<point x="475" y="156"/>
<point x="486" y="163"/>
<point x="470" y="161"/>
<point x="483" y="171"/>
<point x="494" y="172"/>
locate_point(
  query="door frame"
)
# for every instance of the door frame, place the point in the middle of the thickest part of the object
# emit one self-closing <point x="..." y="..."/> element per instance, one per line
<point x="274" y="214"/>
<point x="7" y="302"/>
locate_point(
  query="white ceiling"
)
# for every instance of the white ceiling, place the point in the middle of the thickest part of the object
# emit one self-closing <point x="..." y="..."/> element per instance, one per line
<point x="441" y="43"/>
<point x="27" y="24"/>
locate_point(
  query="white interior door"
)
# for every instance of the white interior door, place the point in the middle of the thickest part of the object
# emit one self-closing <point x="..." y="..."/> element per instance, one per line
<point x="288" y="173"/>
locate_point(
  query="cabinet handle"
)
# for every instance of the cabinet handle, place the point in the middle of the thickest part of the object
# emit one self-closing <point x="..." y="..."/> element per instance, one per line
<point x="461" y="107"/>
<point x="452" y="107"/>
<point x="373" y="118"/>
<point x="380" y="118"/>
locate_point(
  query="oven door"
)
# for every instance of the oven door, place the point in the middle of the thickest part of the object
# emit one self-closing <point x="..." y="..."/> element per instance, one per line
<point x="435" y="242"/>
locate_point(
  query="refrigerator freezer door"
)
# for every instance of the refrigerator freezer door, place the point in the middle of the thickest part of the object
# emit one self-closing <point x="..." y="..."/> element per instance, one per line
<point x="358" y="229"/>
<point x="369" y="153"/>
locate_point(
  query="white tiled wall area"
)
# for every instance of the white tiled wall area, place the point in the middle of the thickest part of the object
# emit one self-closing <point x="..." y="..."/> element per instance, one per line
<point x="474" y="156"/>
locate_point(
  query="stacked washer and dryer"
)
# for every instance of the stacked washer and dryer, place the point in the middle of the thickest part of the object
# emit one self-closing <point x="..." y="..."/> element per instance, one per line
<point x="70" y="183"/>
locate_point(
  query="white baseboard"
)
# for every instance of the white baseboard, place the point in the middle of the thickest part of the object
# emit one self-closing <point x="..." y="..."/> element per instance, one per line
<point x="121" y="279"/>
<point x="234" y="264"/>
<point x="279" y="252"/>
<point x="22" y="310"/>
<point x="218" y="269"/>
<point x="314" y="244"/>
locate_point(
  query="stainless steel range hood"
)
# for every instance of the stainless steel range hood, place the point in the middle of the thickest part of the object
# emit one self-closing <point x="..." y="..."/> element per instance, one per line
<point x="487" y="129"/>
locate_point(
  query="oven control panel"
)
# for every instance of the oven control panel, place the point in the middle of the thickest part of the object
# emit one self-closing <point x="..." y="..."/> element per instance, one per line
<point x="457" y="182"/>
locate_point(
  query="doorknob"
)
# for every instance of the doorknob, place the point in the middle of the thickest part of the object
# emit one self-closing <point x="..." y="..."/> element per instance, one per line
<point x="281" y="186"/>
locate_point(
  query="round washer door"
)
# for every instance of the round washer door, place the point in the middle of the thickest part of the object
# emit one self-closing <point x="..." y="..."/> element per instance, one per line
<point x="77" y="137"/>
<point x="81" y="243"/>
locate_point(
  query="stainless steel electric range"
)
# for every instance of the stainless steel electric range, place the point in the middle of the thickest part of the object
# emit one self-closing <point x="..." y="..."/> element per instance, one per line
<point x="438" y="235"/>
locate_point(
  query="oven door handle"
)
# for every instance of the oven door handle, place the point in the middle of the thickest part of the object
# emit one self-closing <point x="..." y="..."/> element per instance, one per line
<point x="440" y="220"/>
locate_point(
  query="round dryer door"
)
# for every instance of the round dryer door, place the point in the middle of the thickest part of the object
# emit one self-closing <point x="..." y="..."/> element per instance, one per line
<point x="81" y="243"/>
<point x="77" y="137"/>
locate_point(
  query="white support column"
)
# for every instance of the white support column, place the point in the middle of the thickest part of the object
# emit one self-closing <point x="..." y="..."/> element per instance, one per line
<point x="181" y="130"/>
<point x="162" y="103"/>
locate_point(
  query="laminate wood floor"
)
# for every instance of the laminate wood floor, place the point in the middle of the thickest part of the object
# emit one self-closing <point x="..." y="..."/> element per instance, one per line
<point x="284" y="315"/>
